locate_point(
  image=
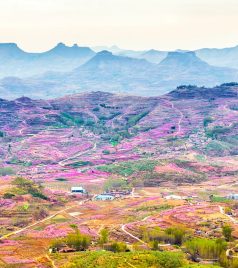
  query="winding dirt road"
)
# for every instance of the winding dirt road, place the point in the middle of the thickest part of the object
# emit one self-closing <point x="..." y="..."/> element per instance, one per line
<point x="46" y="219"/>
<point x="181" y="118"/>
<point x="79" y="154"/>
<point x="137" y="238"/>
<point x="230" y="217"/>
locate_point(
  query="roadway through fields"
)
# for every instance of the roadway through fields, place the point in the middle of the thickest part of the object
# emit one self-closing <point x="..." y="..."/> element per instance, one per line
<point x="137" y="238"/>
<point x="230" y="217"/>
<point x="79" y="154"/>
<point x="46" y="219"/>
<point x="179" y="122"/>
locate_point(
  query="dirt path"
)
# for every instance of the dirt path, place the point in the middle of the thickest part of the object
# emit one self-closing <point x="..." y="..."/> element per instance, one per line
<point x="179" y="122"/>
<point x="137" y="238"/>
<point x="100" y="229"/>
<point x="52" y="262"/>
<point x="46" y="219"/>
<point x="92" y="114"/>
<point x="131" y="264"/>
<point x="79" y="154"/>
<point x="230" y="217"/>
<point x="133" y="192"/>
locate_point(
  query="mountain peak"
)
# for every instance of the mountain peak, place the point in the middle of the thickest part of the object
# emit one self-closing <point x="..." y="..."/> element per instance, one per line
<point x="60" y="44"/>
<point x="104" y="53"/>
<point x="115" y="47"/>
<point x="11" y="80"/>
<point x="181" y="54"/>
<point x="24" y="99"/>
<point x="8" y="45"/>
<point x="9" y="49"/>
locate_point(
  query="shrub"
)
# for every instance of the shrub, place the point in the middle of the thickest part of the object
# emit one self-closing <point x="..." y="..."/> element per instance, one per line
<point x="205" y="248"/>
<point x="226" y="231"/>
<point x="143" y="259"/>
<point x="79" y="121"/>
<point x="40" y="213"/>
<point x="20" y="222"/>
<point x="61" y="179"/>
<point x="77" y="240"/>
<point x="219" y="199"/>
<point x="229" y="84"/>
<point x="186" y="86"/>
<point x="39" y="195"/>
<point x="206" y="120"/>
<point x="134" y="120"/>
<point x="119" y="247"/>
<point x="73" y="226"/>
<point x="178" y="233"/>
<point x="106" y="152"/>
<point x="8" y="195"/>
<point x="90" y="123"/>
<point x="7" y="171"/>
<point x="105" y="235"/>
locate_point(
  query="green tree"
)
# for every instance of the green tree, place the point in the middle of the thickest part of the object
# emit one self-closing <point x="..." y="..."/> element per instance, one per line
<point x="178" y="233"/>
<point x="227" y="210"/>
<point x="106" y="152"/>
<point x="78" y="240"/>
<point x="156" y="244"/>
<point x="206" y="120"/>
<point x="105" y="235"/>
<point x="226" y="231"/>
<point x="206" y="248"/>
<point x="79" y="121"/>
<point x="119" y="247"/>
<point x="8" y="195"/>
<point x="220" y="246"/>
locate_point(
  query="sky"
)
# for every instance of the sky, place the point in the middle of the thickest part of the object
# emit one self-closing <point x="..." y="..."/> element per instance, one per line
<point x="38" y="25"/>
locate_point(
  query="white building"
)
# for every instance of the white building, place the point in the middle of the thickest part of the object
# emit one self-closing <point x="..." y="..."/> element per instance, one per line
<point x="77" y="190"/>
<point x="233" y="196"/>
<point x="176" y="197"/>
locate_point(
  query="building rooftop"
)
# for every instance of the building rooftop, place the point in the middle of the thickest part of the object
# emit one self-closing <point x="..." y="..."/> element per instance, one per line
<point x="77" y="188"/>
<point x="105" y="195"/>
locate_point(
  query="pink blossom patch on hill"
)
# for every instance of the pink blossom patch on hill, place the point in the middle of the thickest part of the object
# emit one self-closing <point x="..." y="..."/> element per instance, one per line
<point x="15" y="260"/>
<point x="171" y="168"/>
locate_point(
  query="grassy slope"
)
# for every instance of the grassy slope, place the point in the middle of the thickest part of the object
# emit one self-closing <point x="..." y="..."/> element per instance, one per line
<point x="130" y="259"/>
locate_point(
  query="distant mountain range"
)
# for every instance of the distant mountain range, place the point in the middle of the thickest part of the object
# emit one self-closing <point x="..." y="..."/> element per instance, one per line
<point x="186" y="68"/>
<point x="225" y="57"/>
<point x="113" y="49"/>
<point x="16" y="62"/>
<point x="153" y="56"/>
<point x="111" y="73"/>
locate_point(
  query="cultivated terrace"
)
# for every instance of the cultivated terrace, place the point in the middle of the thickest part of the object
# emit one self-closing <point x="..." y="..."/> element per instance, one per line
<point x="159" y="178"/>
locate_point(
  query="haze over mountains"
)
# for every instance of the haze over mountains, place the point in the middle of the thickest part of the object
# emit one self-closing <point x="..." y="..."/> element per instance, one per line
<point x="16" y="62"/>
<point x="225" y="57"/>
<point x="68" y="70"/>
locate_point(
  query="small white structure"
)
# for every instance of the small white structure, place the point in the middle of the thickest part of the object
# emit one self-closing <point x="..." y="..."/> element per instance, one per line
<point x="77" y="190"/>
<point x="104" y="197"/>
<point x="233" y="196"/>
<point x="173" y="197"/>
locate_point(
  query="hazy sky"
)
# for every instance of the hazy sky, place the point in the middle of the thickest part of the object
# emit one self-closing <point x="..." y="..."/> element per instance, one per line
<point x="38" y="25"/>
